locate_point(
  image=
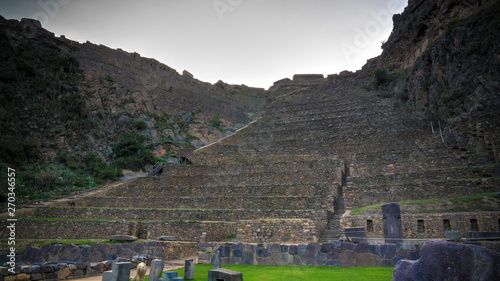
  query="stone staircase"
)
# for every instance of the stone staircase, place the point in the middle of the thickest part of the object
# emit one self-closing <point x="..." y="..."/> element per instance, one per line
<point x="278" y="178"/>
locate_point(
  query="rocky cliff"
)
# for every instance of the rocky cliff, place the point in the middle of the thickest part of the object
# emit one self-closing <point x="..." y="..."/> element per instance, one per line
<point x="66" y="106"/>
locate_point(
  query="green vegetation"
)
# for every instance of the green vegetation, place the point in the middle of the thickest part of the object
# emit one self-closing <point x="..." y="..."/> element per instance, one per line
<point x="131" y="153"/>
<point x="216" y="121"/>
<point x="380" y="76"/>
<point x="108" y="78"/>
<point x="465" y="203"/>
<point x="285" y="273"/>
<point x="140" y="125"/>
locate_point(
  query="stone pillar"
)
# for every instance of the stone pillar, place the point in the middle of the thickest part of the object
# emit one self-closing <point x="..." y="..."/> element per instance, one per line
<point x="156" y="269"/>
<point x="393" y="231"/>
<point x="120" y="272"/>
<point x="189" y="269"/>
<point x="217" y="260"/>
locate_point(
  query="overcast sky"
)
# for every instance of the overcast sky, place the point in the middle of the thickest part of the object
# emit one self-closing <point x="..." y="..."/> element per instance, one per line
<point x="251" y="42"/>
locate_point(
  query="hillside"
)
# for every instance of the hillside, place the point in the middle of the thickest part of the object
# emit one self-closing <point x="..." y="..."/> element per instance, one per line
<point x="407" y="126"/>
<point x="73" y="115"/>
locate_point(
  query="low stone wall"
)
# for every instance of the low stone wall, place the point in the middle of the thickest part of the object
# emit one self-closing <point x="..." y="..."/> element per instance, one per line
<point x="56" y="262"/>
<point x="81" y="229"/>
<point x="424" y="226"/>
<point x="277" y="231"/>
<point x="333" y="254"/>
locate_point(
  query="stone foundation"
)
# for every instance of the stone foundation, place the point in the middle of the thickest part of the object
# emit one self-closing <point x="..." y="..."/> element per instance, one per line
<point x="425" y="226"/>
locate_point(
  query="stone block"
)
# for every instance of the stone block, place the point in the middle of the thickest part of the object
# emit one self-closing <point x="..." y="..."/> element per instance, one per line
<point x="297" y="260"/>
<point x="483" y="235"/>
<point x="36" y="276"/>
<point x="337" y="244"/>
<point x="274" y="248"/>
<point x="302" y="249"/>
<point x="23" y="277"/>
<point x="320" y="258"/>
<point x="64" y="273"/>
<point x="225" y="251"/>
<point x="453" y="235"/>
<point x="356" y="234"/>
<point x="249" y="258"/>
<point x="326" y="247"/>
<point x="167" y="238"/>
<point x="348" y="258"/>
<point x="120" y="272"/>
<point x="349" y="246"/>
<point x="189" y="269"/>
<point x="169" y="275"/>
<point x="284" y="248"/>
<point x="263" y="253"/>
<point x="362" y="248"/>
<point x="225" y="275"/>
<point x="333" y="262"/>
<point x="393" y="230"/>
<point x="156" y="269"/>
<point x="293" y="250"/>
<point x="366" y="259"/>
<point x="122" y="237"/>
<point x="285" y="259"/>
<point x="178" y="279"/>
<point x="387" y="251"/>
<point x="441" y="260"/>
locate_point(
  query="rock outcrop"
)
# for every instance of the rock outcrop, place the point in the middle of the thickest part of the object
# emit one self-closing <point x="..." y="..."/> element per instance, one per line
<point x="440" y="260"/>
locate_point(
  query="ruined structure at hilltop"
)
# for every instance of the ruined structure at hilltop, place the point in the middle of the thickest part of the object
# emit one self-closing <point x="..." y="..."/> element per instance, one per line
<point x="322" y="147"/>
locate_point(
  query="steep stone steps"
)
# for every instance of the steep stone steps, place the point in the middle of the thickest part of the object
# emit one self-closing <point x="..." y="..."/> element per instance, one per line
<point x="332" y="232"/>
<point x="205" y="202"/>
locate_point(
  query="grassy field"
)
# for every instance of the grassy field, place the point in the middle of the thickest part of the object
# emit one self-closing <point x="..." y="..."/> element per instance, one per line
<point x="298" y="273"/>
<point x="467" y="203"/>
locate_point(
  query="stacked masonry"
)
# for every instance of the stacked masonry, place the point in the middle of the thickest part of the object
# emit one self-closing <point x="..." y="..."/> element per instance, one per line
<point x="287" y="177"/>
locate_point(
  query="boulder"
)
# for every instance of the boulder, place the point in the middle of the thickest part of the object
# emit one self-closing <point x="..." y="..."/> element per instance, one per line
<point x="167" y="238"/>
<point x="122" y="237"/>
<point x="441" y="260"/>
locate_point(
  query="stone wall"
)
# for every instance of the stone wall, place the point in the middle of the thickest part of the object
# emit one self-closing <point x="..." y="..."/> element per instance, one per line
<point x="422" y="226"/>
<point x="56" y="262"/>
<point x="81" y="229"/>
<point x="277" y="230"/>
<point x="334" y="254"/>
<point x="163" y="214"/>
<point x="205" y="202"/>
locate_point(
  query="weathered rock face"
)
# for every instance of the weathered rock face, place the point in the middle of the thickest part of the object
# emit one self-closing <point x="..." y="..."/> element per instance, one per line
<point x="441" y="260"/>
<point x="81" y="97"/>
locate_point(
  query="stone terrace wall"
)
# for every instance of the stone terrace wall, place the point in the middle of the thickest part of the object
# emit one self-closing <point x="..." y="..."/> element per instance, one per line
<point x="204" y="202"/>
<point x="277" y="231"/>
<point x="79" y="229"/>
<point x="334" y="254"/>
<point x="416" y="226"/>
<point x="163" y="214"/>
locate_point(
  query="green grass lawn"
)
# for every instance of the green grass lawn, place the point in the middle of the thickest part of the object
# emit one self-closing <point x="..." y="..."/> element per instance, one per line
<point x="298" y="273"/>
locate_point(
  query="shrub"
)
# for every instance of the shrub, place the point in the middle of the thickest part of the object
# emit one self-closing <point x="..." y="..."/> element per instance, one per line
<point x="380" y="76"/>
<point x="216" y="121"/>
<point x="139" y="125"/>
<point x="131" y="153"/>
